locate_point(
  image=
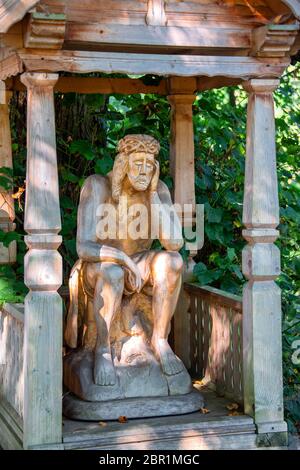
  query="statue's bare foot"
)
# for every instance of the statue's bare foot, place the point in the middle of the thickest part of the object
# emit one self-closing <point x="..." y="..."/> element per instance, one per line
<point x="104" y="371"/>
<point x="170" y="363"/>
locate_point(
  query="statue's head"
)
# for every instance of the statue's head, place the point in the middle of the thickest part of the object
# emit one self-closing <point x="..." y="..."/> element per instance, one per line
<point x="136" y="159"/>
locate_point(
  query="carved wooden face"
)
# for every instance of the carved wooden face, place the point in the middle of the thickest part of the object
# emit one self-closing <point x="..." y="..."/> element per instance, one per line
<point x="141" y="166"/>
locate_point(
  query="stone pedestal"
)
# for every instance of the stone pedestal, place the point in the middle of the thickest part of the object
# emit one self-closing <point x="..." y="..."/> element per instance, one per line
<point x="75" y="408"/>
<point x="141" y="389"/>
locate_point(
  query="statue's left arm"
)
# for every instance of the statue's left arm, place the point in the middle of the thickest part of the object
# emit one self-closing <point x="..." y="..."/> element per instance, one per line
<point x="170" y="228"/>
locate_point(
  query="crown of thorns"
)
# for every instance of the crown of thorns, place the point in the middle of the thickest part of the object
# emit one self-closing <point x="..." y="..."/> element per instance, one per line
<point x="138" y="143"/>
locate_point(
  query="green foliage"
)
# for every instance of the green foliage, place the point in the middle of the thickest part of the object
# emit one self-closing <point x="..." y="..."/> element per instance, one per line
<point x="88" y="129"/>
<point x="6" y="175"/>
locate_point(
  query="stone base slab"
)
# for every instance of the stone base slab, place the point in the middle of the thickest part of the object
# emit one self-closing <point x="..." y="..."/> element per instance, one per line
<point x="77" y="409"/>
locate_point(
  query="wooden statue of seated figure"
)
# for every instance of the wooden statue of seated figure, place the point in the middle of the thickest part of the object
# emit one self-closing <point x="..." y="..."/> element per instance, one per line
<point x="114" y="272"/>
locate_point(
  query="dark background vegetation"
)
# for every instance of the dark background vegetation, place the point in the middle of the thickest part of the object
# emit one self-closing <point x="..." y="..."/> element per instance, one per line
<point x="88" y="128"/>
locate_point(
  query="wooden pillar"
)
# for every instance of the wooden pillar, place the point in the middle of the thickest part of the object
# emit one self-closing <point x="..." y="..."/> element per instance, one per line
<point x="7" y="210"/>
<point x="182" y="166"/>
<point x="263" y="388"/>
<point x="182" y="151"/>
<point x="43" y="269"/>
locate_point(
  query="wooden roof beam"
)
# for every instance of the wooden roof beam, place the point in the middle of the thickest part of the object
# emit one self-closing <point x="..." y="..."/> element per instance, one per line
<point x="94" y="85"/>
<point x="129" y="86"/>
<point x="157" y="64"/>
<point x="95" y="35"/>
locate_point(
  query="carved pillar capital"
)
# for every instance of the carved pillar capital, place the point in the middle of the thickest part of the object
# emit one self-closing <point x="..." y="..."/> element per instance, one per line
<point x="39" y="79"/>
<point x="261" y="85"/>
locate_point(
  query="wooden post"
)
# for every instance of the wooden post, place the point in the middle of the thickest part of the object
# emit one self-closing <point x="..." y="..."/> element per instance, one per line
<point x="43" y="270"/>
<point x="7" y="210"/>
<point x="181" y="97"/>
<point x="262" y="348"/>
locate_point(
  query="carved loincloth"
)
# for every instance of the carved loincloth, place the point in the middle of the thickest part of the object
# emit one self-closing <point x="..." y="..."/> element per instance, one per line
<point x="133" y="304"/>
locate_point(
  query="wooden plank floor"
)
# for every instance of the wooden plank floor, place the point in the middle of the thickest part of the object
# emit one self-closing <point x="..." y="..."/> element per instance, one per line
<point x="214" y="430"/>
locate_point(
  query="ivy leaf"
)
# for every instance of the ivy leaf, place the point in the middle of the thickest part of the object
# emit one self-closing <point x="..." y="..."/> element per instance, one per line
<point x="168" y="180"/>
<point x="7" y="237"/>
<point x="231" y="254"/>
<point x="104" y="165"/>
<point x="5" y="182"/>
<point x="84" y="148"/>
<point x="67" y="175"/>
<point x="66" y="202"/>
<point x="5" y="170"/>
<point x="204" y="276"/>
<point x="200" y="183"/>
<point x="215" y="232"/>
<point x="237" y="271"/>
<point x="199" y="269"/>
<point x="213" y="215"/>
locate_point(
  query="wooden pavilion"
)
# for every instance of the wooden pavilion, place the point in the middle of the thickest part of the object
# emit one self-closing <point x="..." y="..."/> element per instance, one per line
<point x="195" y="45"/>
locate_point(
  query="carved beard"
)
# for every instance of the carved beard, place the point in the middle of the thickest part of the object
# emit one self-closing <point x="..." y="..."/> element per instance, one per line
<point x="139" y="183"/>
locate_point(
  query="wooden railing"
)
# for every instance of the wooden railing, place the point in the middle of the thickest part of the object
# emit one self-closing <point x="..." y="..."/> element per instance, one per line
<point x="11" y="355"/>
<point x="213" y="351"/>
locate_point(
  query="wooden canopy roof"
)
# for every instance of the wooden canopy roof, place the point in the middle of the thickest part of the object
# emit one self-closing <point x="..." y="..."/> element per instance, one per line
<point x="130" y="11"/>
<point x="231" y="38"/>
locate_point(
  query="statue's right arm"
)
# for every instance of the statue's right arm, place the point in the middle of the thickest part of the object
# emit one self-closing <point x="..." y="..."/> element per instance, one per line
<point x="96" y="191"/>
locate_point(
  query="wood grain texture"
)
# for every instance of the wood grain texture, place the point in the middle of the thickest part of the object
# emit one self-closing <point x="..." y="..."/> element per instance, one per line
<point x="193" y="337"/>
<point x="42" y="368"/>
<point x="10" y="63"/>
<point x="213" y="295"/>
<point x="216" y="340"/>
<point x="7" y="210"/>
<point x="43" y="270"/>
<point x="274" y="40"/>
<point x="11" y="433"/>
<point x="156" y="15"/>
<point x="201" y="37"/>
<point x="182" y="328"/>
<point x="182" y="146"/>
<point x="215" y="430"/>
<point x="11" y="356"/>
<point x="42" y="213"/>
<point x="12" y="11"/>
<point x="294" y="5"/>
<point x="160" y="64"/>
<point x="262" y="349"/>
<point x="45" y="31"/>
<point x="90" y="85"/>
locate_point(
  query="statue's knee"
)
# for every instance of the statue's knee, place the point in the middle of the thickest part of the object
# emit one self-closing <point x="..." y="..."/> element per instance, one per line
<point x="169" y="261"/>
<point x="175" y="261"/>
<point x="112" y="274"/>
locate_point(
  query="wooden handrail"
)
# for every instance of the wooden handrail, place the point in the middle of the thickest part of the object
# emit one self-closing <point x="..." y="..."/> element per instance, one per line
<point x="216" y="296"/>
